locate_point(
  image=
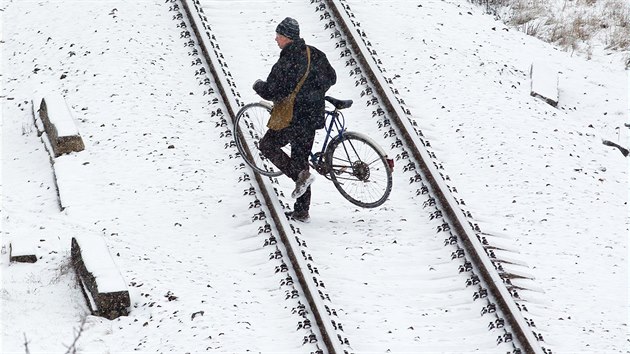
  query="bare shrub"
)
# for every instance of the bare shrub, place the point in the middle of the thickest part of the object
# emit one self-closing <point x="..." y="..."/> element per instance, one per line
<point x="64" y="268"/>
<point x="619" y="39"/>
<point x="586" y="2"/>
<point x="492" y="5"/>
<point x="26" y="342"/>
<point x="564" y="34"/>
<point x="524" y="11"/>
<point x="72" y="348"/>
<point x="580" y="28"/>
<point x="532" y="28"/>
<point x="618" y="12"/>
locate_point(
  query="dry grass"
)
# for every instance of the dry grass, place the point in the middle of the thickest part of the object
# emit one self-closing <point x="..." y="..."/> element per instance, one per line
<point x="581" y="26"/>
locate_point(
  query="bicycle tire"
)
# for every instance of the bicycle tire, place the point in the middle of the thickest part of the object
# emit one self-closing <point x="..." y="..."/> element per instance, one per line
<point x="250" y="126"/>
<point x="359" y="170"/>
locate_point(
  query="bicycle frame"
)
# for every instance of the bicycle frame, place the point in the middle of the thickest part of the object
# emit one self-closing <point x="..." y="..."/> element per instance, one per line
<point x="338" y="122"/>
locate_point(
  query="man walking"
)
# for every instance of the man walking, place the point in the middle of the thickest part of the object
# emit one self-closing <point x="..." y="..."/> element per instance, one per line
<point x="304" y="69"/>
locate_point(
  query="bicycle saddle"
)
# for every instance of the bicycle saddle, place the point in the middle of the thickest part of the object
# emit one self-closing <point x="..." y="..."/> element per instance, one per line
<point x="339" y="104"/>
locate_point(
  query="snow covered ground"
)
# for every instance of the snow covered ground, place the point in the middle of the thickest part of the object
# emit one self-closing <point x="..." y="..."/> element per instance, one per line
<point x="158" y="183"/>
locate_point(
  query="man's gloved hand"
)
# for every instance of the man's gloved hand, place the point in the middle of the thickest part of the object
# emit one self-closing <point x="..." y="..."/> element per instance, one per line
<point x="258" y="82"/>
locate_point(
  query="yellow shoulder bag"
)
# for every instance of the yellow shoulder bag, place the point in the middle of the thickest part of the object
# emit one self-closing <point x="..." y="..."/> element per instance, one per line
<point x="282" y="111"/>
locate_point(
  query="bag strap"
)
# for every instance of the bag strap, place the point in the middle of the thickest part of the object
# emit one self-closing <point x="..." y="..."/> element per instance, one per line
<point x="308" y="67"/>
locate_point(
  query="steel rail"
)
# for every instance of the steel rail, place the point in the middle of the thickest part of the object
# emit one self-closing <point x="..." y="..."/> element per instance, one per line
<point x="439" y="188"/>
<point x="280" y="221"/>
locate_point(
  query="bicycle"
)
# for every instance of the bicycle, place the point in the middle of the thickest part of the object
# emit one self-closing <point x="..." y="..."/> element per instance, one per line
<point x="357" y="166"/>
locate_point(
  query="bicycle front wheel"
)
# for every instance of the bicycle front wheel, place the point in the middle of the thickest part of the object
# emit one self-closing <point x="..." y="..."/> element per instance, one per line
<point x="250" y="126"/>
<point x="359" y="169"/>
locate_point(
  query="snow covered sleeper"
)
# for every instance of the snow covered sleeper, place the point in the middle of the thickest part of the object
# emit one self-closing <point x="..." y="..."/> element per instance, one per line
<point x="544" y="82"/>
<point x="102" y="284"/>
<point x="22" y="249"/>
<point x="59" y="125"/>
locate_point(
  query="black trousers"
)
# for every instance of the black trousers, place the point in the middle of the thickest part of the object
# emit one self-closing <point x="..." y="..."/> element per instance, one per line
<point x="301" y="140"/>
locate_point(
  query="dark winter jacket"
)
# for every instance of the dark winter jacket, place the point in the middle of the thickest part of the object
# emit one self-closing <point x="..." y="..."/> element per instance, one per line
<point x="308" y="110"/>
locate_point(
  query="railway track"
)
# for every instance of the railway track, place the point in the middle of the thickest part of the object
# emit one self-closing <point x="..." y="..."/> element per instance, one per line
<point x="323" y="325"/>
<point x="299" y="279"/>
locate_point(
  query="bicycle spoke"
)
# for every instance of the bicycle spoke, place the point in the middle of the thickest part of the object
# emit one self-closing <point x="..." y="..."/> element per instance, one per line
<point x="251" y="123"/>
<point x="365" y="190"/>
<point x="359" y="172"/>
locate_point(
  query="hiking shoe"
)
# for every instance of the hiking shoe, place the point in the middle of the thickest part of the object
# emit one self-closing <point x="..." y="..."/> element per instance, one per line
<point x="305" y="179"/>
<point x="299" y="216"/>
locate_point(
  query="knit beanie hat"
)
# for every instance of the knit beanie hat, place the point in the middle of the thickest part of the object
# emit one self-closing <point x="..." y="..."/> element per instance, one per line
<point x="289" y="28"/>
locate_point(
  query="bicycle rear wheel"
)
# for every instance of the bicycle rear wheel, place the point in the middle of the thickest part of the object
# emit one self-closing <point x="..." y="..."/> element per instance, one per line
<point x="359" y="169"/>
<point x="250" y="126"/>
